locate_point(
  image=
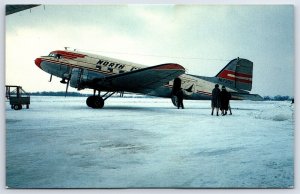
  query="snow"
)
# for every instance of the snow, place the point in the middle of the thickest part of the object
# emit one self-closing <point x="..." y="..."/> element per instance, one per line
<point x="148" y="143"/>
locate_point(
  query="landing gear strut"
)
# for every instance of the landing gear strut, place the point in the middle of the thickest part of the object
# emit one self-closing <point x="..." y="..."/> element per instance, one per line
<point x="97" y="102"/>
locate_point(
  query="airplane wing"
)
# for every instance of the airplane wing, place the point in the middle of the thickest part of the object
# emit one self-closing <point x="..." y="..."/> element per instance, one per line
<point x="14" y="8"/>
<point x="143" y="80"/>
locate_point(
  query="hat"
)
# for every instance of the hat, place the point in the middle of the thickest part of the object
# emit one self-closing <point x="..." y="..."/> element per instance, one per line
<point x="223" y="87"/>
<point x="217" y="85"/>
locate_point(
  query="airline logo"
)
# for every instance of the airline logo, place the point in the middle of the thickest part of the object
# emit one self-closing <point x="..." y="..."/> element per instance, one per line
<point x="112" y="65"/>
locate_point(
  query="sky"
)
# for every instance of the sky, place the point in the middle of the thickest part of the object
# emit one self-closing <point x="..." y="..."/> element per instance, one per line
<point x="202" y="38"/>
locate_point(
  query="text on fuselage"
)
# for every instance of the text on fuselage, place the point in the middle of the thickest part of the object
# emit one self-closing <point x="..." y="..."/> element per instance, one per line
<point x="113" y="65"/>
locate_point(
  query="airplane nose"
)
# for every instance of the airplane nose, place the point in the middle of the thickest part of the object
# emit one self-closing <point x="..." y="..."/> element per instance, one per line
<point x="38" y="61"/>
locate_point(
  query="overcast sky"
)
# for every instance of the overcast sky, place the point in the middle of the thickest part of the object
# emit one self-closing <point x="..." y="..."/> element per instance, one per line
<point x="201" y="38"/>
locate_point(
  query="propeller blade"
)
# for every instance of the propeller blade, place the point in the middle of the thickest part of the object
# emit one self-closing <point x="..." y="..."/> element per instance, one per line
<point x="50" y="78"/>
<point x="67" y="88"/>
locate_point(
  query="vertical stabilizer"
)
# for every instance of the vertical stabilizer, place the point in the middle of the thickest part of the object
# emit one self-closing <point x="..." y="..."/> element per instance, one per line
<point x="239" y="71"/>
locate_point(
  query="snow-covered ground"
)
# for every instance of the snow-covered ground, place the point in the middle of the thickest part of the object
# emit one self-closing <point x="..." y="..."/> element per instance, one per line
<point x="146" y="142"/>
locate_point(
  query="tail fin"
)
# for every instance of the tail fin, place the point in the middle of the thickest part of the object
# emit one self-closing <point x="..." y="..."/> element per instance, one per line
<point x="239" y="73"/>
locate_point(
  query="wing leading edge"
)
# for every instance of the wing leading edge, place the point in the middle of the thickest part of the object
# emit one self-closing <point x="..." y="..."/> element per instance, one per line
<point x="142" y="80"/>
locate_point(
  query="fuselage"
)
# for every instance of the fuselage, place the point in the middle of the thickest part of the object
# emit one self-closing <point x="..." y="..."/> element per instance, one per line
<point x="61" y="63"/>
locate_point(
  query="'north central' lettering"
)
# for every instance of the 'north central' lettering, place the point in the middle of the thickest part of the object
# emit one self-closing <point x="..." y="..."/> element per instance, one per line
<point x="108" y="64"/>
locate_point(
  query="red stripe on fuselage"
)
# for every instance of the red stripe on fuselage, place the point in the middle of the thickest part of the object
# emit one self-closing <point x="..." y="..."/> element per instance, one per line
<point x="72" y="65"/>
<point x="200" y="92"/>
<point x="205" y="93"/>
<point x="69" y="55"/>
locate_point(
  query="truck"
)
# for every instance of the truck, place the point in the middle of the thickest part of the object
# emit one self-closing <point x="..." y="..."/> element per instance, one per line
<point x="17" y="97"/>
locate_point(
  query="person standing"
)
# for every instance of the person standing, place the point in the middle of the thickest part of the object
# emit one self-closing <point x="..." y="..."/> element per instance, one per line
<point x="215" y="99"/>
<point x="224" y="96"/>
<point x="180" y="98"/>
<point x="229" y="107"/>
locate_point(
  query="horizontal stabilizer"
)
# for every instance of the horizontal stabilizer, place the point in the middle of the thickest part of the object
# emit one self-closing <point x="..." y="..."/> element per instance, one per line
<point x="245" y="96"/>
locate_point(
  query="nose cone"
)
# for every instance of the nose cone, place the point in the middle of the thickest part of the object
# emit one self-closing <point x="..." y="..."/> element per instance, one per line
<point x="38" y="62"/>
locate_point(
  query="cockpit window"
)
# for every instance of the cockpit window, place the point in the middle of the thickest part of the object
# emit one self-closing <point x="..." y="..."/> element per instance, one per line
<point x="57" y="56"/>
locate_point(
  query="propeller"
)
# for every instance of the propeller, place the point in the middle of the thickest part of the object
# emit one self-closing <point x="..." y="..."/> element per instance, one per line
<point x="68" y="81"/>
<point x="67" y="87"/>
<point x="50" y="78"/>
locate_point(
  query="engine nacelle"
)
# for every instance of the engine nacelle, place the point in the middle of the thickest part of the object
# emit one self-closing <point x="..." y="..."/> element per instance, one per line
<point x="78" y="78"/>
<point x="82" y="78"/>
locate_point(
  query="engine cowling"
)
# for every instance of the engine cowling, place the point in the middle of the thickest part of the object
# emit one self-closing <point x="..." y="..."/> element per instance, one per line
<point x="78" y="78"/>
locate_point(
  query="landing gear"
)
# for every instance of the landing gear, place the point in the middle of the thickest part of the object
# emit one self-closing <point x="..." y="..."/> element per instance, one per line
<point x="63" y="81"/>
<point x="97" y="102"/>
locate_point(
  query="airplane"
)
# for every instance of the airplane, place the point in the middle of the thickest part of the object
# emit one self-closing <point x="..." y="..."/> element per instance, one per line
<point x="83" y="70"/>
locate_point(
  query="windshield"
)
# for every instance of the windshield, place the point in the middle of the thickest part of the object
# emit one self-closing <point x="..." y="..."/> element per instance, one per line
<point x="58" y="56"/>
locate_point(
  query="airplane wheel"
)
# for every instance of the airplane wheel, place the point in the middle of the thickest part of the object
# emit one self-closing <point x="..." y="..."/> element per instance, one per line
<point x="95" y="102"/>
<point x="90" y="100"/>
<point x="98" y="102"/>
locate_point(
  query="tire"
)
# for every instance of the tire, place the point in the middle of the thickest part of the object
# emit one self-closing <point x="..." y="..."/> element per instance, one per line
<point x="90" y="100"/>
<point x="98" y="102"/>
<point x="95" y="102"/>
<point x="17" y="107"/>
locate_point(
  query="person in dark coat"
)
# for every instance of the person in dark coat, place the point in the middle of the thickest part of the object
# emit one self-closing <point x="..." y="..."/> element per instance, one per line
<point x="229" y="107"/>
<point x="225" y="97"/>
<point x="179" y="96"/>
<point x="215" y="99"/>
